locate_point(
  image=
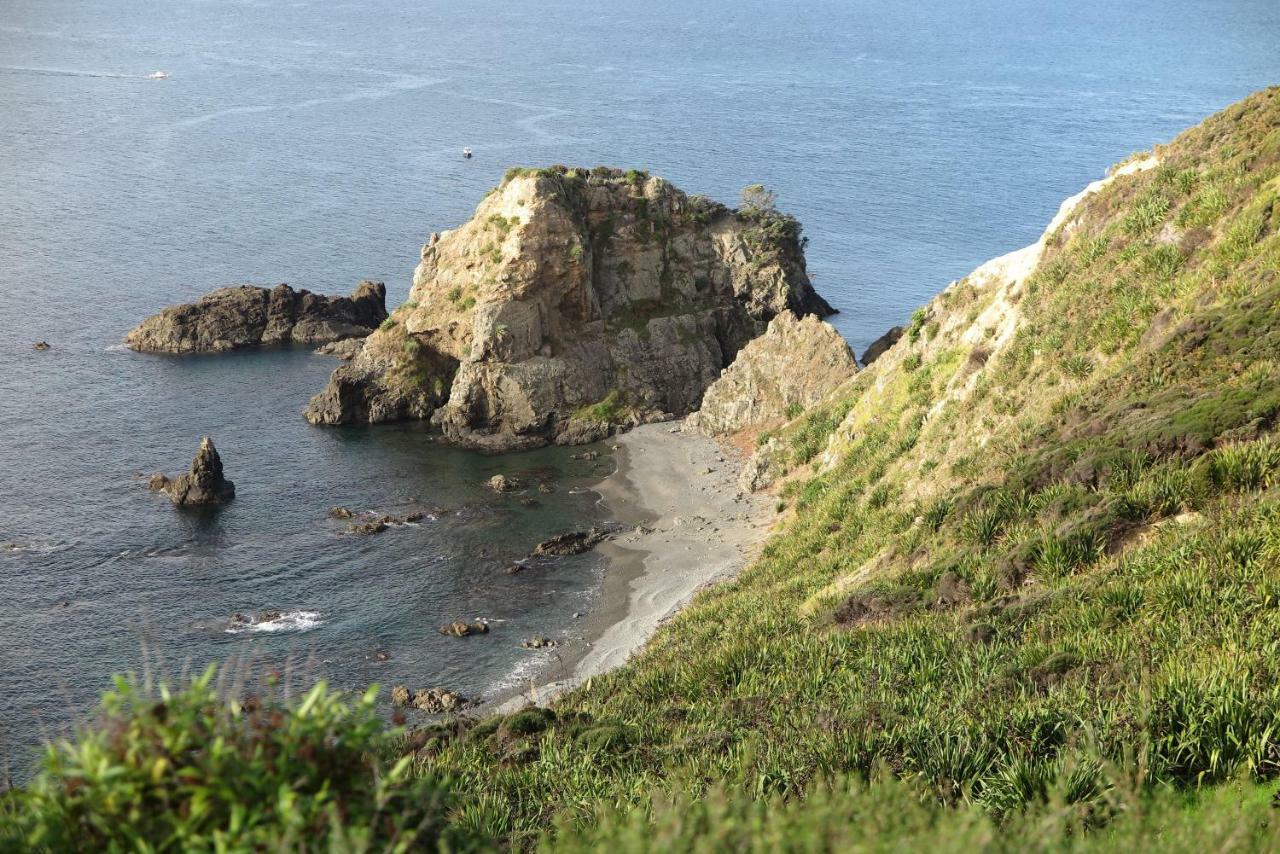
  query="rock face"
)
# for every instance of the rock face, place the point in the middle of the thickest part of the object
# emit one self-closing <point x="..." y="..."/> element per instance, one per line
<point x="794" y="365"/>
<point x="203" y="485"/>
<point x="881" y="344"/>
<point x="248" y="316"/>
<point x="572" y="304"/>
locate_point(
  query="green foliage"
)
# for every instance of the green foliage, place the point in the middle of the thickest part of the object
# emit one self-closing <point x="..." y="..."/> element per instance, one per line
<point x="387" y="323"/>
<point x="918" y="318"/>
<point x="189" y="769"/>
<point x="611" y="409"/>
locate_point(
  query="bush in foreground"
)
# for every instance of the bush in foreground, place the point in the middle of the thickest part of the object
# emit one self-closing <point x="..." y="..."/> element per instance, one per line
<point x="185" y="770"/>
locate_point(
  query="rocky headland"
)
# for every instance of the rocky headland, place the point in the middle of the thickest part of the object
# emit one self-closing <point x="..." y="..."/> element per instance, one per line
<point x="573" y="304"/>
<point x="249" y="316"/>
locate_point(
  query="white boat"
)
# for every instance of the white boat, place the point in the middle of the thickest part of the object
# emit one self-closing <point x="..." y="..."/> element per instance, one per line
<point x="466" y="152"/>
<point x="158" y="75"/>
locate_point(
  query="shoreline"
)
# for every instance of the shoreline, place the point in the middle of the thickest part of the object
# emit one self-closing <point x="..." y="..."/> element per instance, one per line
<point x="690" y="527"/>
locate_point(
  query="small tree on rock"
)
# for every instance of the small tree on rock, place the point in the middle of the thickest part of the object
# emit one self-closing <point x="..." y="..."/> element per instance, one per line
<point x="758" y="200"/>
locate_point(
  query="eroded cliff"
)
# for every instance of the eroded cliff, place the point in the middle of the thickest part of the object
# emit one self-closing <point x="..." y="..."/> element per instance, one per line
<point x="571" y="304"/>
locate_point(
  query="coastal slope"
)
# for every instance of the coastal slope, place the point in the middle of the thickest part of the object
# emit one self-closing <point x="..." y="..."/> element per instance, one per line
<point x="1031" y="549"/>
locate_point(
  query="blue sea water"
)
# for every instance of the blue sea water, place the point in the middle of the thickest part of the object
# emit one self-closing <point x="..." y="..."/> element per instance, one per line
<point x="318" y="143"/>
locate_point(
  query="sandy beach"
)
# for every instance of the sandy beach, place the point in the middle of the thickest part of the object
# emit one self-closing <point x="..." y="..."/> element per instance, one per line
<point x="690" y="526"/>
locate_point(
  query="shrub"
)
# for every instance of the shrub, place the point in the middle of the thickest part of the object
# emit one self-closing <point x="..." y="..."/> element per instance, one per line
<point x="918" y="318"/>
<point x="192" y="770"/>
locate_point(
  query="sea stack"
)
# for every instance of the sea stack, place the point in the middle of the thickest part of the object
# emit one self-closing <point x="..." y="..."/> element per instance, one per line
<point x="574" y="303"/>
<point x="204" y="485"/>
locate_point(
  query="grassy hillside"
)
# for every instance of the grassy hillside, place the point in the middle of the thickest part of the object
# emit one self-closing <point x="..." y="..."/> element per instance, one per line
<point x="1030" y="586"/>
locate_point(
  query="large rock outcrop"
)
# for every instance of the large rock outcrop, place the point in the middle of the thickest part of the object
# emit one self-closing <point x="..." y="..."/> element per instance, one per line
<point x="796" y="363"/>
<point x="249" y="316"/>
<point x="571" y="304"/>
<point x="205" y="484"/>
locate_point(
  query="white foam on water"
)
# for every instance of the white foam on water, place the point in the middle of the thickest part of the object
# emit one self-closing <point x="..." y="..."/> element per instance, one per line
<point x="287" y="621"/>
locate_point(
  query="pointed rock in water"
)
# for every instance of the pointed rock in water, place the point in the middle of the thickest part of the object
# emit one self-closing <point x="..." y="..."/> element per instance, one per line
<point x="203" y="485"/>
<point x="249" y="316"/>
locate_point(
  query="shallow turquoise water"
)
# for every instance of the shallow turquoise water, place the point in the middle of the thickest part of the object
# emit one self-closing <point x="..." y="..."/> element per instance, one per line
<point x="318" y="143"/>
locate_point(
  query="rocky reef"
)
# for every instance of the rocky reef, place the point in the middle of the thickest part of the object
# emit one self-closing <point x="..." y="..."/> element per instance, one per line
<point x="249" y="316"/>
<point x="205" y="484"/>
<point x="572" y="304"/>
<point x="793" y="366"/>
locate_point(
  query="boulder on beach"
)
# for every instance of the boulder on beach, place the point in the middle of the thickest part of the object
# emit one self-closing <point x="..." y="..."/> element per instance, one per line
<point x="793" y="366"/>
<point x="203" y="485"/>
<point x="574" y="303"/>
<point x="249" y="316"/>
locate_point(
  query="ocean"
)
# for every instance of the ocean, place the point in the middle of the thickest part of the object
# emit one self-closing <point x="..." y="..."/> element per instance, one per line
<point x="319" y="143"/>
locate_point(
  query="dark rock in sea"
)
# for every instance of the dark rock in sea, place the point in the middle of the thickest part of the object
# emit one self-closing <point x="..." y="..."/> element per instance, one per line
<point x="461" y="629"/>
<point x="571" y="543"/>
<point x="40" y="345"/>
<point x="538" y="643"/>
<point x="203" y="485"/>
<point x="340" y="513"/>
<point x="382" y="655"/>
<point x="401" y="695"/>
<point x="881" y="344"/>
<point x="248" y="316"/>
<point x="365" y="529"/>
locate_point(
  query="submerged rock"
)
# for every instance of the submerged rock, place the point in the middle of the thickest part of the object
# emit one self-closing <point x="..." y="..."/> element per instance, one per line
<point x="40" y="345"/>
<point x="502" y="483"/>
<point x="573" y="304"/>
<point x="461" y="629"/>
<point x="794" y="365"/>
<point x="571" y="543"/>
<point x="248" y="316"/>
<point x="538" y="643"/>
<point x="203" y="485"/>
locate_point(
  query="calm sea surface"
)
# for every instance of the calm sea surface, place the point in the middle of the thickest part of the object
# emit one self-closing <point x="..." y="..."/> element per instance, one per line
<point x="317" y="143"/>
